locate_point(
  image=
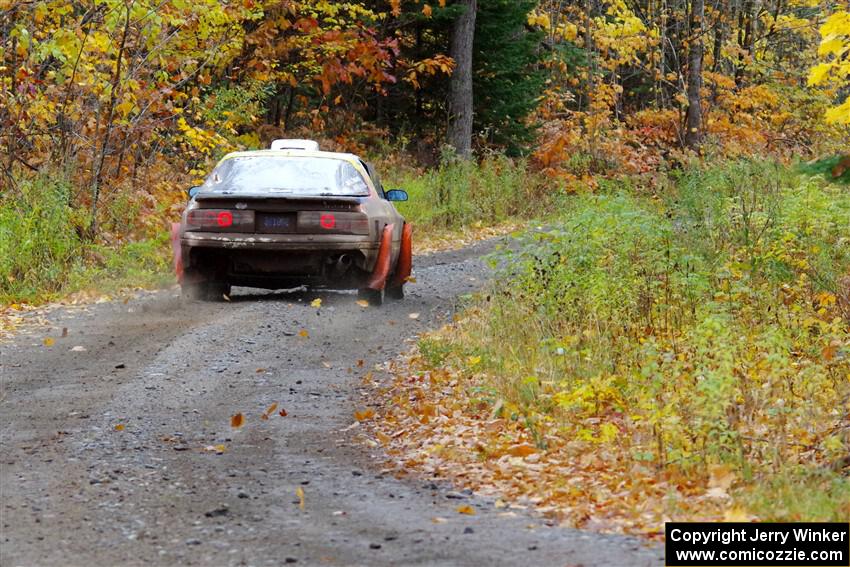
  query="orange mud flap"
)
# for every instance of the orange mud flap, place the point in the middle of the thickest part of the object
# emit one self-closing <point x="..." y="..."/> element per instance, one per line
<point x="404" y="266"/>
<point x="178" y="253"/>
<point x="382" y="266"/>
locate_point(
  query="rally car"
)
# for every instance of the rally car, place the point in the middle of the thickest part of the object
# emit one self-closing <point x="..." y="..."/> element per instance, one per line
<point x="292" y="216"/>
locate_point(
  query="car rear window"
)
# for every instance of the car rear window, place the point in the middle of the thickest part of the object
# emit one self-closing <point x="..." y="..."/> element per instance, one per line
<point x="287" y="175"/>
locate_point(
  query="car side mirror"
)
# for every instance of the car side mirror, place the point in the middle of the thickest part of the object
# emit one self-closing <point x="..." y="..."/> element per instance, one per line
<point x="193" y="191"/>
<point x="397" y="195"/>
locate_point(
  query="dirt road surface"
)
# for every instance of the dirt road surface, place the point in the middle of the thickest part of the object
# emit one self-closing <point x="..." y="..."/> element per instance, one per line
<point x="78" y="491"/>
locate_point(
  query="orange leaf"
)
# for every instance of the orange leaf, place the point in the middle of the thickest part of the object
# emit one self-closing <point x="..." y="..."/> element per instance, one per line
<point x="119" y="427"/>
<point x="282" y="413"/>
<point x="368" y="413"/>
<point x="237" y="420"/>
<point x="829" y="352"/>
<point x="466" y="509"/>
<point x="522" y="450"/>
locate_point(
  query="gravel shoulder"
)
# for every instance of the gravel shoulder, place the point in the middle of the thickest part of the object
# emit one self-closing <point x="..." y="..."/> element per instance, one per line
<point x="76" y="491"/>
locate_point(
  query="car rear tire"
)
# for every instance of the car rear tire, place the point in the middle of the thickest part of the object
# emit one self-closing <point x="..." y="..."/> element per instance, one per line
<point x="396" y="293"/>
<point x="374" y="297"/>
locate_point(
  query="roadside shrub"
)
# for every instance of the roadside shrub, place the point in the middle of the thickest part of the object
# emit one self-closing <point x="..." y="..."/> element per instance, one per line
<point x="461" y="193"/>
<point x="39" y="237"/>
<point x="43" y="252"/>
<point x="699" y="326"/>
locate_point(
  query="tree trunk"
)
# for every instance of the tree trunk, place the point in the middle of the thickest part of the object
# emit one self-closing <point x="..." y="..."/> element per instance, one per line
<point x="745" y="41"/>
<point x="460" y="97"/>
<point x="693" y="119"/>
<point x="719" y="38"/>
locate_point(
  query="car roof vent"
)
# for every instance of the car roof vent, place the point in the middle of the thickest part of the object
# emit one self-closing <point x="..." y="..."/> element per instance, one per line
<point x="303" y="145"/>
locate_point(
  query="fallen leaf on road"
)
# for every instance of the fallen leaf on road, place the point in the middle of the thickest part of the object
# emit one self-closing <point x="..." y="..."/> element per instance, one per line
<point x="269" y="411"/>
<point x="49" y="342"/>
<point x="237" y="420"/>
<point x="316" y="303"/>
<point x="299" y="492"/>
<point x="410" y="279"/>
<point x="119" y="427"/>
<point x="282" y="413"/>
<point x="439" y="520"/>
<point x="303" y="333"/>
<point x="360" y="363"/>
<point x="368" y="413"/>
<point x="362" y="303"/>
<point x="466" y="509"/>
<point x="64" y="332"/>
<point x="260" y="370"/>
<point x="414" y="315"/>
<point x="326" y="364"/>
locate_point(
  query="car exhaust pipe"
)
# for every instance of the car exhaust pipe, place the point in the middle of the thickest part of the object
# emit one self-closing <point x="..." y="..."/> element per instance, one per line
<point x="342" y="264"/>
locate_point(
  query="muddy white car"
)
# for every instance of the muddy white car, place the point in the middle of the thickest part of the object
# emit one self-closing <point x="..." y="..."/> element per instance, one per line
<point x="293" y="216"/>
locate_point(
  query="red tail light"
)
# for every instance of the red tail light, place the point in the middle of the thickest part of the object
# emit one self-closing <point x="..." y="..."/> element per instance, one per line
<point x="318" y="222"/>
<point x="328" y="220"/>
<point x="220" y="219"/>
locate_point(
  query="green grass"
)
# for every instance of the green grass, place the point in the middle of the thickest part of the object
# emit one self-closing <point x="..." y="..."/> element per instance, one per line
<point x="801" y="494"/>
<point x="824" y="167"/>
<point x="44" y="254"/>
<point x="463" y="194"/>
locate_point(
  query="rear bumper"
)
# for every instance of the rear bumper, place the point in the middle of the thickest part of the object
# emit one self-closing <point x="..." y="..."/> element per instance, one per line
<point x="278" y="260"/>
<point x="281" y="242"/>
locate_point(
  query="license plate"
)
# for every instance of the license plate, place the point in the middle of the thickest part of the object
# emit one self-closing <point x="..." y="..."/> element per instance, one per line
<point x="277" y="223"/>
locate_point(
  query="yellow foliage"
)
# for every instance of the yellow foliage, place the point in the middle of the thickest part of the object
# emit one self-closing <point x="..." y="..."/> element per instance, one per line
<point x="839" y="114"/>
<point x="835" y="70"/>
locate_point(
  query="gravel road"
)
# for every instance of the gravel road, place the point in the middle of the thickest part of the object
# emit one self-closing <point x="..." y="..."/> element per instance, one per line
<point x="77" y="491"/>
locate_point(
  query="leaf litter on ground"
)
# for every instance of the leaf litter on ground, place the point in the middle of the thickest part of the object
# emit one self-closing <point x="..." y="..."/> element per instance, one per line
<point x="428" y="424"/>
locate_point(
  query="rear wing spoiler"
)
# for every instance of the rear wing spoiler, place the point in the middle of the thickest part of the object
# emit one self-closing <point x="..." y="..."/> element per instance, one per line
<point x="307" y="199"/>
